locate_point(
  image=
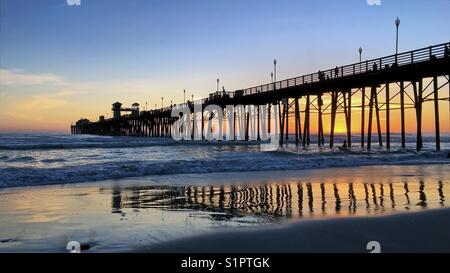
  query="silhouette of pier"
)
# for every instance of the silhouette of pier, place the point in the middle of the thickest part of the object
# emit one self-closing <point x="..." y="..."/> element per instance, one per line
<point x="396" y="82"/>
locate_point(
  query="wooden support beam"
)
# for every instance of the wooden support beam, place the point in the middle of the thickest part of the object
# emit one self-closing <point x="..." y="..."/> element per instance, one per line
<point x="258" y="128"/>
<point x="306" y="123"/>
<point x="280" y="113"/>
<point x="402" y="113"/>
<point x="136" y="127"/>
<point x="247" y="125"/>
<point x="297" y="116"/>
<point x="334" y="97"/>
<point x="321" y="140"/>
<point x="377" y="111"/>
<point x="300" y="132"/>
<point x="349" y="113"/>
<point x="369" y="128"/>
<point x="145" y="125"/>
<point x="159" y="128"/>
<point x="282" y="118"/>
<point x="269" y="117"/>
<point x="202" y="125"/>
<point x="234" y="125"/>
<point x="194" y="118"/>
<point x="436" y="113"/>
<point x="388" y="118"/>
<point x="153" y="127"/>
<point x="165" y="126"/>
<point x="308" y="126"/>
<point x="363" y="111"/>
<point x="287" y="120"/>
<point x="418" y="108"/>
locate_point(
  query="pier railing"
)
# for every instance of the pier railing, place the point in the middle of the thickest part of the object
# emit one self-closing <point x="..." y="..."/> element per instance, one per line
<point x="387" y="62"/>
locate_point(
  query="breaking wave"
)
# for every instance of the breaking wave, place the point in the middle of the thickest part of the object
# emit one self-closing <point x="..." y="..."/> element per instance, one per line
<point x="222" y="162"/>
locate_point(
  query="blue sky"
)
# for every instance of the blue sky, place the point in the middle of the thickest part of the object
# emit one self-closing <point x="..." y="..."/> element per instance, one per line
<point x="158" y="48"/>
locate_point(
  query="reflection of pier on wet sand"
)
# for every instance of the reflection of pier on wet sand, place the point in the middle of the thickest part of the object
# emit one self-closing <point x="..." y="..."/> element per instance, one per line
<point x="290" y="200"/>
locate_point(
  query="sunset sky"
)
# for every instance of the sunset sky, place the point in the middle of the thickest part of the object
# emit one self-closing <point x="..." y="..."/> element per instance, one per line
<point x="59" y="63"/>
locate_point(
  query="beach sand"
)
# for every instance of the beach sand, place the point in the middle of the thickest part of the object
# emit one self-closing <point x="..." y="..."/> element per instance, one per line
<point x="418" y="232"/>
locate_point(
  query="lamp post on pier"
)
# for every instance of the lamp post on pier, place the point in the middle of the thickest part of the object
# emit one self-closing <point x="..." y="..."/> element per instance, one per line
<point x="360" y="53"/>
<point x="275" y="70"/>
<point x="397" y="24"/>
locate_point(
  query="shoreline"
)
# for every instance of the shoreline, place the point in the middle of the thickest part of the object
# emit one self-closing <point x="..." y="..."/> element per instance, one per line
<point x="193" y="177"/>
<point x="424" y="232"/>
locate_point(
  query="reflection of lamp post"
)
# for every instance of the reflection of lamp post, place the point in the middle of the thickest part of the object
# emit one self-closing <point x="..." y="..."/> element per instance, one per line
<point x="217" y="84"/>
<point x="184" y="96"/>
<point x="275" y="70"/>
<point x="397" y="24"/>
<point x="360" y="52"/>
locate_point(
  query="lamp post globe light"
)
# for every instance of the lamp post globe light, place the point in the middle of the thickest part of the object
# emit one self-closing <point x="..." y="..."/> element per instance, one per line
<point x="275" y="70"/>
<point x="397" y="24"/>
<point x="360" y="52"/>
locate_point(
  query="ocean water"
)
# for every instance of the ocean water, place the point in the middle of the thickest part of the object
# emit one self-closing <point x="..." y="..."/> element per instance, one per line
<point x="115" y="194"/>
<point x="41" y="159"/>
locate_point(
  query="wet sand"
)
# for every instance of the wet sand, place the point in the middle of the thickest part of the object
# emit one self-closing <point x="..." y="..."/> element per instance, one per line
<point x="418" y="232"/>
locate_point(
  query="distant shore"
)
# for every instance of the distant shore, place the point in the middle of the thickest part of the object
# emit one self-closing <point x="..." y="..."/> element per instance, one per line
<point x="426" y="231"/>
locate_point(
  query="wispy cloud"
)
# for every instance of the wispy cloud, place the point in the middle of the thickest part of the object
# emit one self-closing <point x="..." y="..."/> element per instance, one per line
<point x="48" y="101"/>
<point x="14" y="77"/>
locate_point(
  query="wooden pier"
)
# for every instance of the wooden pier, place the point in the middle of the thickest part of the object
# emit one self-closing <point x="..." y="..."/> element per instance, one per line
<point x="419" y="76"/>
